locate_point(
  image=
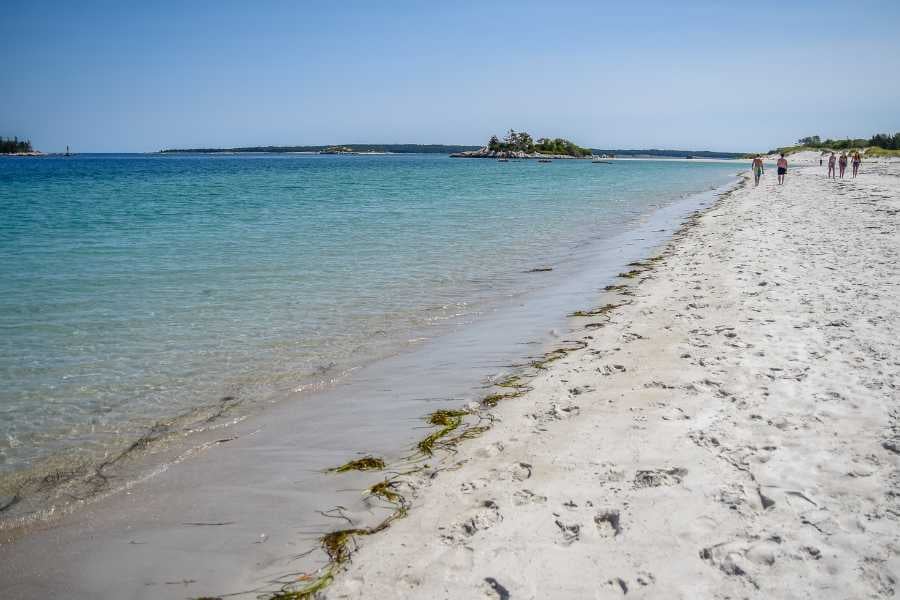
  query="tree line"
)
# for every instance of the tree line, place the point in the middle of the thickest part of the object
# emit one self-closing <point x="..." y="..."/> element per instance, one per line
<point x="521" y="141"/>
<point x="880" y="140"/>
<point x="13" y="145"/>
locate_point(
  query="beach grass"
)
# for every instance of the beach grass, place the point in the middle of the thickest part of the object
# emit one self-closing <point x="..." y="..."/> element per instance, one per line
<point x="877" y="152"/>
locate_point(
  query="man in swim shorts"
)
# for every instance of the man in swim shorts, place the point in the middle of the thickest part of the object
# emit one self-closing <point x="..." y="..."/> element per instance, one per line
<point x="757" y="168"/>
<point x="782" y="168"/>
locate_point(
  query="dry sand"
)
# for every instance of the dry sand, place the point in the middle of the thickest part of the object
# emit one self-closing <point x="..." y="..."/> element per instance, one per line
<point x="729" y="433"/>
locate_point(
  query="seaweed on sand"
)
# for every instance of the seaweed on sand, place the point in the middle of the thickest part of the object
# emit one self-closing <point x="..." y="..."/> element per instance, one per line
<point x="336" y="544"/>
<point x="632" y="273"/>
<point x="493" y="400"/>
<point x="469" y="433"/>
<point x="646" y="263"/>
<point x="366" y="463"/>
<point x="512" y="381"/>
<point x="548" y="358"/>
<point x="340" y="544"/>
<point x="601" y="311"/>
<point x="386" y="490"/>
<point x="309" y="591"/>
<point x="558" y="353"/>
<point x="448" y="421"/>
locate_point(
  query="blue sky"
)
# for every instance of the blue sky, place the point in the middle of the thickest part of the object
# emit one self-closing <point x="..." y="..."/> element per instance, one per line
<point x="118" y="76"/>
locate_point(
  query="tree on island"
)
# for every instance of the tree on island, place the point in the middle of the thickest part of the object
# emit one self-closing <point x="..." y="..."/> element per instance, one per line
<point x="14" y="146"/>
<point x="521" y="141"/>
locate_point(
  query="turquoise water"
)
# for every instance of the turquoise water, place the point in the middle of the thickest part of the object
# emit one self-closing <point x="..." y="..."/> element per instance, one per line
<point x="137" y="287"/>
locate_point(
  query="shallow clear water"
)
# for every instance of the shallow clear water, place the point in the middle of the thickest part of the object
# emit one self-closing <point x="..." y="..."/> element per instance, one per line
<point x="136" y="287"/>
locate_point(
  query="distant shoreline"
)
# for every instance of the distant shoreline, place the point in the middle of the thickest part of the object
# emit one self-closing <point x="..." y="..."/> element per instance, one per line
<point x="386" y="149"/>
<point x="440" y="149"/>
<point x="330" y="149"/>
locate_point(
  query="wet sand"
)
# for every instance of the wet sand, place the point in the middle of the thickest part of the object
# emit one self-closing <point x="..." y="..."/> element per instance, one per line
<point x="728" y="430"/>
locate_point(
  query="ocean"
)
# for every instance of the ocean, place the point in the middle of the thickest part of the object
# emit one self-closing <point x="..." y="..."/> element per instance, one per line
<point x="140" y="288"/>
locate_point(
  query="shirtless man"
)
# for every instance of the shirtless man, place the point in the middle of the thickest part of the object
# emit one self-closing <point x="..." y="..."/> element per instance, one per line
<point x="757" y="168"/>
<point x="782" y="168"/>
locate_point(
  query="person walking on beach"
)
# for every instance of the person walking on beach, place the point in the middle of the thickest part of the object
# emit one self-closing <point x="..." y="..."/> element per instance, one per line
<point x="856" y="160"/>
<point x="842" y="163"/>
<point x="782" y="168"/>
<point x="831" y="165"/>
<point x="757" y="167"/>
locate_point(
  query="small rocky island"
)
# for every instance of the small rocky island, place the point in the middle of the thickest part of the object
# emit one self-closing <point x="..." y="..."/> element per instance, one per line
<point x="519" y="144"/>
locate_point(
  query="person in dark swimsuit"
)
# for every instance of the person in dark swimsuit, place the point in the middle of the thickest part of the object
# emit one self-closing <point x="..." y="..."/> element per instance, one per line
<point x="782" y="169"/>
<point x="855" y="162"/>
<point x="831" y="160"/>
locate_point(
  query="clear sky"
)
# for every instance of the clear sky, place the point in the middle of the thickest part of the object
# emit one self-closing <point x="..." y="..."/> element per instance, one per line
<point x="140" y="76"/>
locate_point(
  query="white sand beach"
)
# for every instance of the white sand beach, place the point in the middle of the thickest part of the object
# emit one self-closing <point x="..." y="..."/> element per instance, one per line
<point x="729" y="430"/>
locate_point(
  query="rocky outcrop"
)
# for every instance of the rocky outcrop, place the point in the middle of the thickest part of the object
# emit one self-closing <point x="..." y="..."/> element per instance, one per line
<point x="485" y="153"/>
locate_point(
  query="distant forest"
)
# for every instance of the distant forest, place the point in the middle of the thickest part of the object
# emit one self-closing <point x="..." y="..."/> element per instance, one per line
<point x="13" y="146"/>
<point x="879" y="140"/>
<point x="671" y="153"/>
<point x="397" y="148"/>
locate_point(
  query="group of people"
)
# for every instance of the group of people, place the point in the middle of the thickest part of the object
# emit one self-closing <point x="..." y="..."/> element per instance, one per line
<point x="855" y="160"/>
<point x="758" y="168"/>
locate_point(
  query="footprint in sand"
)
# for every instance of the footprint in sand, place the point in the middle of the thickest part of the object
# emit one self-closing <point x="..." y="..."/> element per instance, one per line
<point x="523" y="497"/>
<point x="609" y="523"/>
<point x="494" y="590"/>
<point x="608" y="473"/>
<point x="659" y="477"/>
<point x="468" y="487"/>
<point x="482" y="518"/>
<point x="577" y="391"/>
<point x="617" y="584"/>
<point x="520" y="471"/>
<point x="607" y="370"/>
<point x="569" y="532"/>
<point x="743" y="557"/>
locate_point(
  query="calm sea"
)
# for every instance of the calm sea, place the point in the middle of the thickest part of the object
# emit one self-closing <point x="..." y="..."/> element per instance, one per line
<point x="138" y="287"/>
